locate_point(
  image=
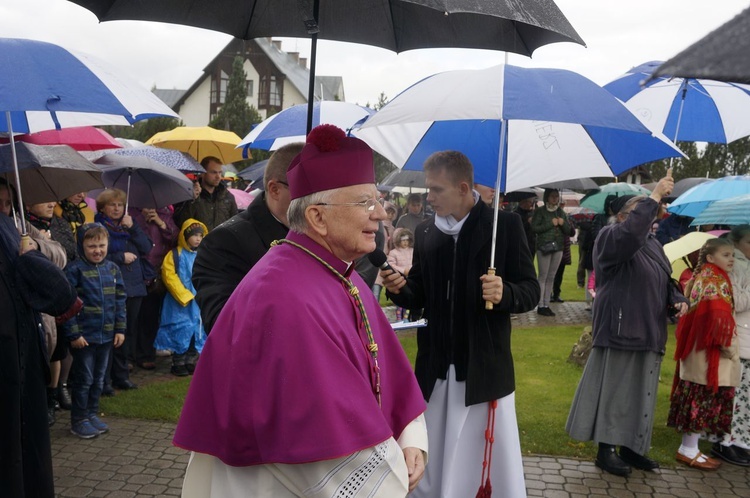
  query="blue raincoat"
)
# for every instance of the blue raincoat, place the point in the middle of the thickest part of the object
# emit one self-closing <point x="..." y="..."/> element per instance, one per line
<point x="180" y="316"/>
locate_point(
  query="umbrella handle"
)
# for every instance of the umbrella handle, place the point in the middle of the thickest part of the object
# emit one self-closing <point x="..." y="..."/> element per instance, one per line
<point x="488" y="305"/>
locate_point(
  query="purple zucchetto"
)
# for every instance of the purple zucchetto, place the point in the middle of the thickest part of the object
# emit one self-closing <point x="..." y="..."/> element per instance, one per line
<point x="330" y="160"/>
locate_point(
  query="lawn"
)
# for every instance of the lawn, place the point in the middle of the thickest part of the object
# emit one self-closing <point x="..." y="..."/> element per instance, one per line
<point x="545" y="384"/>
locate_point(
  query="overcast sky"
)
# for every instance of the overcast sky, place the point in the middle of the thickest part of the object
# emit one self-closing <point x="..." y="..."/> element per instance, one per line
<point x="619" y="33"/>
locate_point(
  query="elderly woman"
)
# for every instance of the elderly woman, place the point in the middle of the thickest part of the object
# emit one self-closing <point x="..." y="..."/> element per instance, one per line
<point x="551" y="225"/>
<point x="735" y="448"/>
<point x="127" y="247"/>
<point x="616" y="398"/>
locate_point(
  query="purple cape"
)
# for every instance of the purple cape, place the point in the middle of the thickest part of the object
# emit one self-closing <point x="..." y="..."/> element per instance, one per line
<point x="285" y="376"/>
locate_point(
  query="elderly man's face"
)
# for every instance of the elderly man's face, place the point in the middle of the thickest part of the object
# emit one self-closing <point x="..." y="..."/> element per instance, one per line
<point x="351" y="228"/>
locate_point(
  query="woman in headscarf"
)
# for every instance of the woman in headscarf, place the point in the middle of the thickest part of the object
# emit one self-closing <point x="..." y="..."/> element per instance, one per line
<point x="616" y="398"/>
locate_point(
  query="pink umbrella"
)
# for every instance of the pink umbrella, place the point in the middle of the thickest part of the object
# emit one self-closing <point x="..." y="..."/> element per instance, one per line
<point x="242" y="198"/>
<point x="80" y="138"/>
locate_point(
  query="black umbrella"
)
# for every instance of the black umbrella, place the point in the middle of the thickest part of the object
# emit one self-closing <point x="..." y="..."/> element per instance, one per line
<point x="147" y="183"/>
<point x="575" y="184"/>
<point x="682" y="186"/>
<point x="398" y="25"/>
<point x="48" y="173"/>
<point x="720" y="55"/>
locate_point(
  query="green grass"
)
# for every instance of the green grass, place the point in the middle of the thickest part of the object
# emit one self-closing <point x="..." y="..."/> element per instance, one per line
<point x="545" y="384"/>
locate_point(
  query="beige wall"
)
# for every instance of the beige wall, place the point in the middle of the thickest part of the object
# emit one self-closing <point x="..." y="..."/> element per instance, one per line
<point x="196" y="110"/>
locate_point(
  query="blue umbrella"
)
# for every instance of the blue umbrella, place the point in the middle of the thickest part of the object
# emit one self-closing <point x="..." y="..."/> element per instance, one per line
<point x="731" y="211"/>
<point x="175" y="159"/>
<point x="690" y="110"/>
<point x="697" y="199"/>
<point x="290" y="125"/>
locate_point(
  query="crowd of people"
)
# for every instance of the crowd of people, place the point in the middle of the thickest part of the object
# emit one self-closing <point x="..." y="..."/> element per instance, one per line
<point x="301" y="387"/>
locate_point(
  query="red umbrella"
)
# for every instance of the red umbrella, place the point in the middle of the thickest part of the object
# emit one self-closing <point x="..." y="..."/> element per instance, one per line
<point x="86" y="138"/>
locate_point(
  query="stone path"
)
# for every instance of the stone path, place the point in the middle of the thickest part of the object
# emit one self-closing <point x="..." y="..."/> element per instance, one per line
<point x="137" y="459"/>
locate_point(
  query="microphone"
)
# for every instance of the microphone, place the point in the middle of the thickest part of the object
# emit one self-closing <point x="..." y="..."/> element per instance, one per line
<point x="379" y="259"/>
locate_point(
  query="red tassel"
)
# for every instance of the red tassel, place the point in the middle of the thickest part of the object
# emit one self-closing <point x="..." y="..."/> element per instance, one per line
<point x="485" y="486"/>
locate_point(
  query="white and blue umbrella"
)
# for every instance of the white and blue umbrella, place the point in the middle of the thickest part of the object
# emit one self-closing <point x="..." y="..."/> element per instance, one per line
<point x="519" y="127"/>
<point x="730" y="211"/>
<point x="685" y="109"/>
<point x="697" y="199"/>
<point x="44" y="86"/>
<point x="555" y="125"/>
<point x="290" y="125"/>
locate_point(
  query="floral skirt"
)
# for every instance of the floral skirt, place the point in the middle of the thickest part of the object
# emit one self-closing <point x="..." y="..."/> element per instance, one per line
<point x="741" y="419"/>
<point x="696" y="408"/>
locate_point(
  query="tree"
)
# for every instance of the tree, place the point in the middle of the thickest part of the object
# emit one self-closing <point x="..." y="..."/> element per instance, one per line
<point x="711" y="160"/>
<point x="236" y="114"/>
<point x="143" y="130"/>
<point x="382" y="165"/>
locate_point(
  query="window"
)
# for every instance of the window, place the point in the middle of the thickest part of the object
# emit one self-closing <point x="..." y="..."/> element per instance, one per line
<point x="270" y="92"/>
<point x="250" y="88"/>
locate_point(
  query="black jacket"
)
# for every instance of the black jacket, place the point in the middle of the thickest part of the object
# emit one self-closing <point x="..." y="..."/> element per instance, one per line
<point x="444" y="280"/>
<point x="212" y="209"/>
<point x="227" y="254"/>
<point x="632" y="284"/>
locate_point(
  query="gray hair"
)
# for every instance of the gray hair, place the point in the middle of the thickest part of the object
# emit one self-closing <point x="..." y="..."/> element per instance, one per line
<point x="296" y="212"/>
<point x="738" y="233"/>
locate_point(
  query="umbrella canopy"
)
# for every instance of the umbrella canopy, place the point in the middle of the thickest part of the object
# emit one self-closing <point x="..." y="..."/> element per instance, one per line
<point x="254" y="173"/>
<point x="290" y="125"/>
<point x="730" y="211"/>
<point x="581" y="214"/>
<point x="558" y="125"/>
<point x="45" y="87"/>
<point x="129" y="142"/>
<point x="686" y="244"/>
<point x="682" y="186"/>
<point x="80" y="138"/>
<point x="595" y="200"/>
<point x="402" y="178"/>
<point x="49" y="173"/>
<point x="698" y="198"/>
<point x="200" y="142"/>
<point x="689" y="110"/>
<point x="573" y="184"/>
<point x="720" y="55"/>
<point x="398" y="25"/>
<point x="524" y="193"/>
<point x="175" y="159"/>
<point x="242" y="198"/>
<point x="148" y="184"/>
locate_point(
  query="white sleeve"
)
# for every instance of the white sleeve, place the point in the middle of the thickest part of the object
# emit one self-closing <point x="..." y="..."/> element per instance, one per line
<point x="415" y="435"/>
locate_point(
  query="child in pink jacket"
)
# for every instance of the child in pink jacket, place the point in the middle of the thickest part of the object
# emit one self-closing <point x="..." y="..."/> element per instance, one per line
<point x="400" y="257"/>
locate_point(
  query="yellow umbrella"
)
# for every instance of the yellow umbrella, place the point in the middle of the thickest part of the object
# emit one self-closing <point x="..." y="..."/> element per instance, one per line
<point x="686" y="244"/>
<point x="200" y="142"/>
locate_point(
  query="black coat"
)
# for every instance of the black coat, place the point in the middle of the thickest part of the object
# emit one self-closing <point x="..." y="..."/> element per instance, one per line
<point x="228" y="253"/>
<point x="444" y="280"/>
<point x="25" y="281"/>
<point x="633" y="291"/>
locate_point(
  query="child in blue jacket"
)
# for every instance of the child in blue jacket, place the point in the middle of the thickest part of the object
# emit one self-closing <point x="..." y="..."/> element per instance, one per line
<point x="93" y="332"/>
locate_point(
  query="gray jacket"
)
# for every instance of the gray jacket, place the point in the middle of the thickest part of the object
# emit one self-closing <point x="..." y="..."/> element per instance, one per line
<point x="633" y="290"/>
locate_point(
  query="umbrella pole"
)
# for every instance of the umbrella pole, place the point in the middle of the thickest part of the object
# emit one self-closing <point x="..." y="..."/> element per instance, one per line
<point x="127" y="192"/>
<point x="679" y="116"/>
<point x="312" y="30"/>
<point x="501" y="166"/>
<point x="17" y="175"/>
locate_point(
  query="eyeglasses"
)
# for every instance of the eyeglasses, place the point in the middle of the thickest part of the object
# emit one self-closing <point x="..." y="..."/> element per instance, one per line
<point x="369" y="204"/>
<point x="283" y="183"/>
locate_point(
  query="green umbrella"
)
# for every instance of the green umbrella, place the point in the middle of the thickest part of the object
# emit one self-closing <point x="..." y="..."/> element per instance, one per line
<point x="595" y="200"/>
